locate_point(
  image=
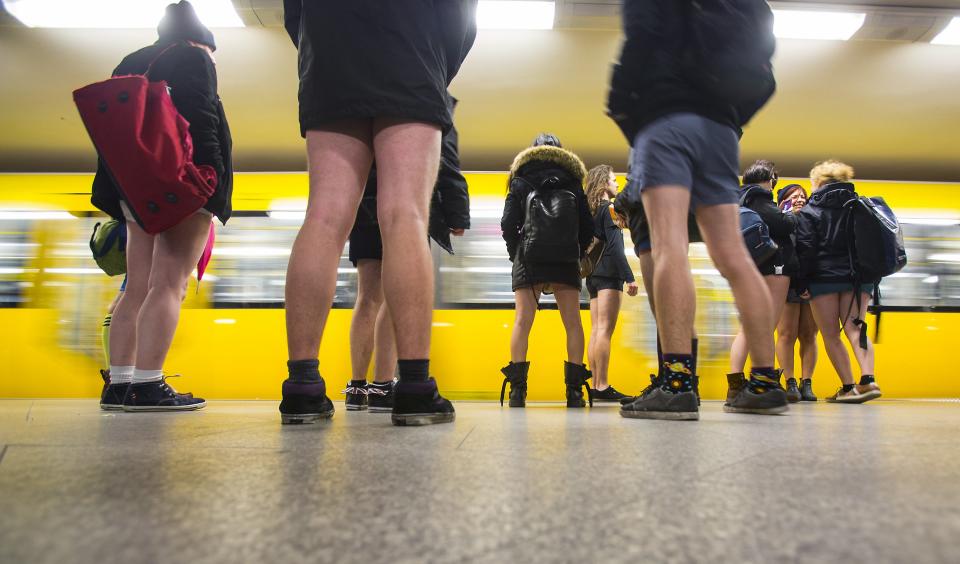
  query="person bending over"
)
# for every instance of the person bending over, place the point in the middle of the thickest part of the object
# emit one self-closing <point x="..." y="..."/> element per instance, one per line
<point x="825" y="273"/>
<point x="605" y="283"/>
<point x="547" y="226"/>
<point x="159" y="266"/>
<point x="348" y="120"/>
<point x="684" y="139"/>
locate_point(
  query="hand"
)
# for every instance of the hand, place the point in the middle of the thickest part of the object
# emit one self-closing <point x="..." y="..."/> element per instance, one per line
<point x="457" y="232"/>
<point x="632" y="289"/>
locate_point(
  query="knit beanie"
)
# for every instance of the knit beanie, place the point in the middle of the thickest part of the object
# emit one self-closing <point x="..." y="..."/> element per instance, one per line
<point x="180" y="23"/>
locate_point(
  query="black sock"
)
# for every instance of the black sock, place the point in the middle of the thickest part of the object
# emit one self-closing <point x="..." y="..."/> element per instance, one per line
<point x="414" y="370"/>
<point x="847" y="387"/>
<point x="677" y="372"/>
<point x="867" y="379"/>
<point x="358" y="383"/>
<point x="307" y="370"/>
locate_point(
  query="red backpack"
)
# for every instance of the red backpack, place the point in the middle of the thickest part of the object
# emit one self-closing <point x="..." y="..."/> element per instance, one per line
<point x="146" y="146"/>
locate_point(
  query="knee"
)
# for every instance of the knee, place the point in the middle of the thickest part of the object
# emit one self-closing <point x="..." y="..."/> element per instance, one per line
<point x="392" y="216"/>
<point x="787" y="337"/>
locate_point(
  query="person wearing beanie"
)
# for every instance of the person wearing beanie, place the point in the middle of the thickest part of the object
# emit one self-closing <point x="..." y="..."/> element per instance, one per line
<point x="145" y="318"/>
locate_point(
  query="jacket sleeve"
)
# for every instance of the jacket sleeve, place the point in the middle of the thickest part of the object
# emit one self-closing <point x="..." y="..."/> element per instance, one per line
<point x="614" y="242"/>
<point x="781" y="224"/>
<point x="747" y="110"/>
<point x="291" y="19"/>
<point x="459" y="29"/>
<point x="193" y="88"/>
<point x="512" y="221"/>
<point x="452" y="186"/>
<point x="806" y="248"/>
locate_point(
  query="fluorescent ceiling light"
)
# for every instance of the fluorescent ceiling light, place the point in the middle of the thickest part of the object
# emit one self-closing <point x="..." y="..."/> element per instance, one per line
<point x="801" y="24"/>
<point x="950" y="35"/>
<point x="100" y="14"/>
<point x="499" y="14"/>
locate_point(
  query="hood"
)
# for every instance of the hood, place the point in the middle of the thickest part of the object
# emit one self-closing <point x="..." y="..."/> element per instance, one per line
<point x="553" y="155"/>
<point x="833" y="195"/>
<point x="751" y="191"/>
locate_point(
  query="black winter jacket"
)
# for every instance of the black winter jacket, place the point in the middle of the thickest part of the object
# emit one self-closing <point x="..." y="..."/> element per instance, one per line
<point x="782" y="226"/>
<point x="192" y="78"/>
<point x="822" y="245"/>
<point x="613" y="262"/>
<point x="530" y="168"/>
<point x="647" y="82"/>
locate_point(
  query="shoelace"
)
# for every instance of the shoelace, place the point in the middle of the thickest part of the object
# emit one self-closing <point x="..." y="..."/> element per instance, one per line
<point x="379" y="390"/>
<point x="356" y="390"/>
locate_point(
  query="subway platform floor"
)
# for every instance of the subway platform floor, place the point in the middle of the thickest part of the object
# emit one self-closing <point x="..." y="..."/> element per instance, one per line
<point x="825" y="483"/>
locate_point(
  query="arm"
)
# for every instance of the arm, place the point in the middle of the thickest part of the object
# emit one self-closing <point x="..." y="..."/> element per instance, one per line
<point x="193" y="85"/>
<point x="512" y="220"/>
<point x="291" y="19"/>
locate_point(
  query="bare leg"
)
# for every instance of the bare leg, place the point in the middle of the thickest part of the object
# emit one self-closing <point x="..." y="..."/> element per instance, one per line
<point x="339" y="160"/>
<point x="408" y="157"/>
<point x="646" y="275"/>
<point x="365" y="316"/>
<point x="123" y="326"/>
<point x="808" y="341"/>
<point x="592" y="344"/>
<point x="386" y="347"/>
<point x="609" y="309"/>
<point x="852" y="331"/>
<point x="787" y="330"/>
<point x="526" y="311"/>
<point x="568" y="301"/>
<point x="826" y="312"/>
<point x="720" y="227"/>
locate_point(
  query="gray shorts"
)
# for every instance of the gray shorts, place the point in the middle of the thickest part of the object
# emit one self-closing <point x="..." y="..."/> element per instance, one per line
<point x="691" y="151"/>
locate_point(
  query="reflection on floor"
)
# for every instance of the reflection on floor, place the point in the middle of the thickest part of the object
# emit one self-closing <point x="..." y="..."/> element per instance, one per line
<point x="825" y="483"/>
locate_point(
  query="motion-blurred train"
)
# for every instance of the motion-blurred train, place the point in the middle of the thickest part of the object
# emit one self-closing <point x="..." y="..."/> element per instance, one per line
<point x="231" y="341"/>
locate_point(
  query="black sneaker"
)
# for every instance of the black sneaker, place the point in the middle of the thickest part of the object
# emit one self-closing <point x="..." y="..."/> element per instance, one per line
<point x="305" y="402"/>
<point x="159" y="396"/>
<point x="654" y="382"/>
<point x="380" y="397"/>
<point x="760" y="395"/>
<point x="356" y="393"/>
<point x="111" y="399"/>
<point x="420" y="403"/>
<point x="806" y="391"/>
<point x="793" y="392"/>
<point x="662" y="403"/>
<point x="609" y="395"/>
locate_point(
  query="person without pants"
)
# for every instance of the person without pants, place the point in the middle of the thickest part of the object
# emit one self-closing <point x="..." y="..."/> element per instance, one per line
<point x="547" y="227"/>
<point x="159" y="266"/>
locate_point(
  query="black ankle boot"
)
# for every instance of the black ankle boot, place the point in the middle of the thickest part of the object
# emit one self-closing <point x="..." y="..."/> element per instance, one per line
<point x="576" y="377"/>
<point x="806" y="391"/>
<point x="516" y="374"/>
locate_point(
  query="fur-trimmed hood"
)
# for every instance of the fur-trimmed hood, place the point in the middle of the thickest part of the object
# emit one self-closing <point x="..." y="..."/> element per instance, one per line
<point x="554" y="155"/>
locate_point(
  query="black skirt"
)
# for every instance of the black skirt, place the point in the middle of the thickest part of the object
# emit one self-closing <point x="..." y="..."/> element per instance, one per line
<point x="362" y="59"/>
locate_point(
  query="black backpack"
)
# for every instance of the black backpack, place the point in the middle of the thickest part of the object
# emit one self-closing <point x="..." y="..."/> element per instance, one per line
<point x="756" y="234"/>
<point x="551" y="223"/>
<point x="729" y="47"/>
<point x="875" y="239"/>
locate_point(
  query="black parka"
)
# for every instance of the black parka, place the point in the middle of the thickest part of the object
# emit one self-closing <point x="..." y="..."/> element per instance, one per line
<point x="192" y="78"/>
<point x="782" y="226"/>
<point x="822" y="244"/>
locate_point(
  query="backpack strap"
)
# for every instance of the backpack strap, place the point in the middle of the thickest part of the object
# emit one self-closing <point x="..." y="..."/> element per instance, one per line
<point x="160" y="54"/>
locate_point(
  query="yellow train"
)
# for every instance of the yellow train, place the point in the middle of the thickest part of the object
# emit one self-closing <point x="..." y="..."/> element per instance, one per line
<point x="231" y="341"/>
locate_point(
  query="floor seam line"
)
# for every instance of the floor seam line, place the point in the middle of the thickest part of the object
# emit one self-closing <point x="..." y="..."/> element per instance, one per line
<point x="3" y="453"/>
<point x="470" y="432"/>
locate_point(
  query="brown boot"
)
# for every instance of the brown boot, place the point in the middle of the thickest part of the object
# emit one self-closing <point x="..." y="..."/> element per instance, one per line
<point x="735" y="382"/>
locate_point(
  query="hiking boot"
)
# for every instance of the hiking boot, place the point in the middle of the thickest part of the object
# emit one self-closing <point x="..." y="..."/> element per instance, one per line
<point x="356" y="392"/>
<point x="516" y="374"/>
<point x="793" y="392"/>
<point x="420" y="403"/>
<point x="870" y="391"/>
<point x="662" y="403"/>
<point x="576" y="377"/>
<point x="380" y="397"/>
<point x="159" y="396"/>
<point x="305" y="402"/>
<point x="759" y="395"/>
<point x="806" y="391"/>
<point x="608" y="395"/>
<point x="654" y="382"/>
<point x="735" y="382"/>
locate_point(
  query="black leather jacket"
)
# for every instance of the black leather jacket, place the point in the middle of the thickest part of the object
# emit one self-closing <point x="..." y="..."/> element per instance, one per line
<point x="822" y="245"/>
<point x="781" y="224"/>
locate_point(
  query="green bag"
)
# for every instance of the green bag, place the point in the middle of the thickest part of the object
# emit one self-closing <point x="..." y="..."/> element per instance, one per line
<point x="109" y="246"/>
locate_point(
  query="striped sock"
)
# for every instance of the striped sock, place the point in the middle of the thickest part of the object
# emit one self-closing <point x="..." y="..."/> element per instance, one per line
<point x="121" y="374"/>
<point x="105" y="337"/>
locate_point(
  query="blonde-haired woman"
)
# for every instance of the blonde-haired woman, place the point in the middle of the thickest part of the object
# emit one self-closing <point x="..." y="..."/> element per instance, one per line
<point x="823" y="248"/>
<point x="605" y="284"/>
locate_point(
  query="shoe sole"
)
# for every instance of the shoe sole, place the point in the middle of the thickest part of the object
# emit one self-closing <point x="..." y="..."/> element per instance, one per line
<point x="809" y="400"/>
<point x="793" y="399"/>
<point x="111" y="407"/>
<point x="304" y="418"/>
<point x="757" y="410"/>
<point x="418" y="419"/>
<point x="146" y="408"/>
<point x="663" y="415"/>
<point x="862" y="398"/>
<point x="356" y="407"/>
<point x="380" y="409"/>
<point x="598" y="400"/>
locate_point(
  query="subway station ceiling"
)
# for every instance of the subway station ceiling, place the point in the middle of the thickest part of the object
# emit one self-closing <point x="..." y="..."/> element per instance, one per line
<point x="886" y="101"/>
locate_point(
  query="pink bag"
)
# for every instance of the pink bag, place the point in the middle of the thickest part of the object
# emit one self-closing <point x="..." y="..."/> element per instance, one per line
<point x="207" y="252"/>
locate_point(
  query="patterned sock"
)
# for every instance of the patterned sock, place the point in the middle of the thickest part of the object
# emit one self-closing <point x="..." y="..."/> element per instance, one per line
<point x="677" y="372"/>
<point x="105" y="338"/>
<point x="146" y="376"/>
<point x="415" y="370"/>
<point x="763" y="378"/>
<point x="307" y="370"/>
<point x="121" y="374"/>
<point x="867" y="379"/>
